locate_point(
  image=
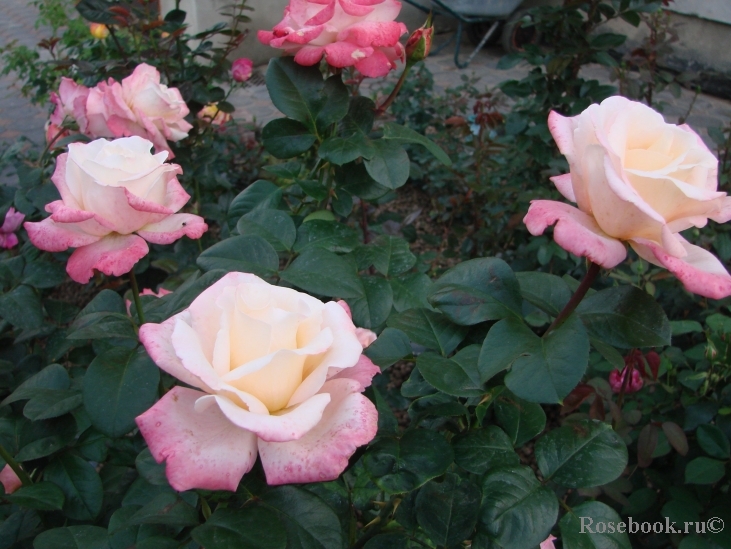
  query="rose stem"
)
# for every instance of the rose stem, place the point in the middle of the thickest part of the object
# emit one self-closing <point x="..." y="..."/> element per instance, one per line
<point x="15" y="466"/>
<point x="387" y="103"/>
<point x="136" y="296"/>
<point x="579" y="294"/>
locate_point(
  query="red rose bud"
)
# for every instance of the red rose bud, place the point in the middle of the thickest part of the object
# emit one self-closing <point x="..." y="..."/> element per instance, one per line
<point x="419" y="43"/>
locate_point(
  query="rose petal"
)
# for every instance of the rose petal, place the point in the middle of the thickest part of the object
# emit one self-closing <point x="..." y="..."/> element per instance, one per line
<point x="113" y="255"/>
<point x="10" y="481"/>
<point x="375" y="66"/>
<point x="565" y="186"/>
<point x="174" y="227"/>
<point x="56" y="237"/>
<point x="699" y="270"/>
<point x="562" y="129"/>
<point x="575" y="232"/>
<point x="349" y="421"/>
<point x="363" y="372"/>
<point x="201" y="449"/>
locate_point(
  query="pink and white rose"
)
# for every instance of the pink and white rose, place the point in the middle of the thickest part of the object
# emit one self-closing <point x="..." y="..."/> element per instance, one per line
<point x="348" y="33"/>
<point x="241" y="69"/>
<point x="639" y="180"/>
<point x="140" y="105"/>
<point x="70" y="105"/>
<point x="12" y="222"/>
<point x="275" y="372"/>
<point x="115" y="197"/>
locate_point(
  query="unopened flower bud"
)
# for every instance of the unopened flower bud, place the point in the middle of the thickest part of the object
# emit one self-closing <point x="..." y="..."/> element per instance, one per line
<point x="419" y="43"/>
<point x="214" y="115"/>
<point x="241" y="69"/>
<point x="99" y="31"/>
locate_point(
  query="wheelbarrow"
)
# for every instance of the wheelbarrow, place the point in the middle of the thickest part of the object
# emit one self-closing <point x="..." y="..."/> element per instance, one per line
<point x="470" y="12"/>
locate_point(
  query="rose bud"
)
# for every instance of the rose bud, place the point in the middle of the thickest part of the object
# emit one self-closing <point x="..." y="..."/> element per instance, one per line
<point x="418" y="45"/>
<point x="99" y="31"/>
<point x="241" y="69"/>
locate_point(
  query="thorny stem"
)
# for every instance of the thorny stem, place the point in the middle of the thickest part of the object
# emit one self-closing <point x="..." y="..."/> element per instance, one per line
<point x="15" y="466"/>
<point x="378" y="523"/>
<point x="579" y="294"/>
<point x="136" y="296"/>
<point x="390" y="99"/>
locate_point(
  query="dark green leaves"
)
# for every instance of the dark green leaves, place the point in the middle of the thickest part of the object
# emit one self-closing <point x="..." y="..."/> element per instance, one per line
<point x="520" y="419"/>
<point x="516" y="512"/>
<point x="448" y="511"/>
<point x="22" y="308"/>
<point x="430" y="329"/>
<point x="581" y="454"/>
<point x="248" y="254"/>
<point x="541" y="369"/>
<point x="625" y="317"/>
<point x="44" y="496"/>
<point x="579" y="528"/>
<point x="329" y="235"/>
<point x="80" y="484"/>
<point x="73" y="537"/>
<point x="274" y="226"/>
<point x="119" y="385"/>
<point x="324" y="273"/>
<point x="371" y="309"/>
<point x="480" y="450"/>
<point x="254" y="527"/>
<point x="713" y="441"/>
<point x="168" y="509"/>
<point x="389" y="166"/>
<point x="457" y="376"/>
<point x="396" y="133"/>
<point x="260" y="194"/>
<point x="287" y="138"/>
<point x="402" y="465"/>
<point x="477" y="290"/>
<point x="388" y="254"/>
<point x="391" y="346"/>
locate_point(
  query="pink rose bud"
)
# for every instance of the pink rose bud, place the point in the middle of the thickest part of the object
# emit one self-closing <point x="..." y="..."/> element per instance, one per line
<point x="639" y="180"/>
<point x="9" y="480"/>
<point x="273" y="371"/>
<point x="115" y="197"/>
<point x="548" y="542"/>
<point x="241" y="69"/>
<point x="99" y="31"/>
<point x="13" y="220"/>
<point x="634" y="384"/>
<point x="347" y="33"/>
<point x="212" y="114"/>
<point x="418" y="45"/>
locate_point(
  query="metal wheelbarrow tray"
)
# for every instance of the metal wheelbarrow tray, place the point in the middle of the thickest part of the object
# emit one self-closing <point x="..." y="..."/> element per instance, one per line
<point x="468" y="12"/>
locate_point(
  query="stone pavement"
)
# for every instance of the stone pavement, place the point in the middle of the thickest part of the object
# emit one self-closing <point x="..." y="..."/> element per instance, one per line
<point x="19" y="117"/>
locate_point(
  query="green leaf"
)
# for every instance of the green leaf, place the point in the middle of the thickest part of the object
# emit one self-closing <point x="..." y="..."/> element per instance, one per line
<point x="80" y="483"/>
<point x="321" y="272"/>
<point x="680" y="327"/>
<point x="713" y="441"/>
<point x="43" y="438"/>
<point x="260" y="194"/>
<point x="704" y="470"/>
<point x="516" y="511"/>
<point x="286" y="170"/>
<point x="102" y="325"/>
<point x="372" y="308"/>
<point x="253" y="527"/>
<point x="389" y="166"/>
<point x="607" y="41"/>
<point x="402" y="465"/>
<point x="313" y="188"/>
<point x="548" y="292"/>
<point x="457" y="376"/>
<point x="477" y="290"/>
<point x="287" y="138"/>
<point x="341" y="150"/>
<point x="480" y="450"/>
<point x="309" y="522"/>
<point x="541" y="369"/>
<point x="430" y="329"/>
<point x="625" y="317"/>
<point x="520" y="419"/>
<point x="581" y="454"/>
<point x="149" y="469"/>
<point x="43" y="496"/>
<point x="22" y="308"/>
<point x="49" y="403"/>
<point x="402" y="134"/>
<point x="329" y="235"/>
<point x="410" y="291"/>
<point x="390" y="347"/>
<point x="165" y="307"/>
<point x="119" y="385"/>
<point x="300" y="93"/>
<point x="168" y="509"/>
<point x="447" y="511"/>
<point x="390" y="255"/>
<point x="274" y="226"/>
<point x="44" y="274"/>
<point x="361" y="115"/>
<point x="53" y="376"/>
<point x="247" y="254"/>
<point x="72" y="537"/>
<point x="97" y="11"/>
<point x="579" y="528"/>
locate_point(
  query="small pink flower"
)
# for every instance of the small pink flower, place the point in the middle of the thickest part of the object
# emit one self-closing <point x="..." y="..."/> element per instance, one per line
<point x="9" y="480"/>
<point x="639" y="180"/>
<point x="139" y="105"/>
<point x="616" y="380"/>
<point x="115" y="197"/>
<point x="241" y="69"/>
<point x="70" y="104"/>
<point x="13" y="220"/>
<point x="274" y="372"/>
<point x="348" y="33"/>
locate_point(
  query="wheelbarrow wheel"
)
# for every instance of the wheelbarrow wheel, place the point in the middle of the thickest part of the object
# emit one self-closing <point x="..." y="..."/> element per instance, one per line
<point x="517" y="34"/>
<point x="475" y="32"/>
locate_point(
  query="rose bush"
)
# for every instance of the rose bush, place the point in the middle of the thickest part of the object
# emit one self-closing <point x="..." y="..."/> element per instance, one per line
<point x="115" y="196"/>
<point x="280" y="374"/>
<point x="139" y="105"/>
<point x="348" y="33"/>
<point x="635" y="179"/>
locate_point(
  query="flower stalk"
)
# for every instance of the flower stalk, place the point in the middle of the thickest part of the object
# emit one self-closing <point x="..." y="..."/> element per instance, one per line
<point x="579" y="294"/>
